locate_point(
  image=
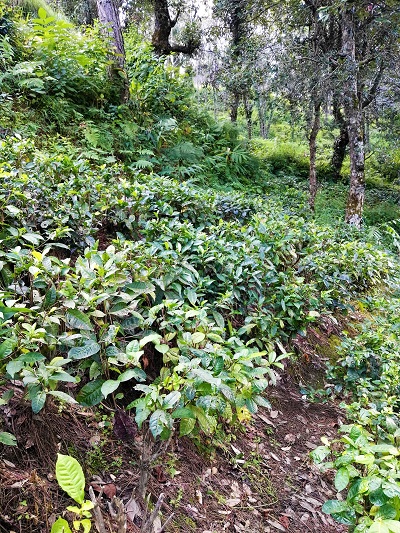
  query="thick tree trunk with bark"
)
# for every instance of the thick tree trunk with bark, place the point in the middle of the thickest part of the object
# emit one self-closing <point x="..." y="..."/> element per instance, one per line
<point x="109" y="18"/>
<point x="163" y="25"/>
<point x="354" y="118"/>
<point x="339" y="152"/>
<point x="312" y="142"/>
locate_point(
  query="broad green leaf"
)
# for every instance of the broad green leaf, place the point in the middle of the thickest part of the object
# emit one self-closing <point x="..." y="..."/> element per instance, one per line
<point x="62" y="396"/>
<point x="183" y="412"/>
<point x="141" y="415"/>
<point x="158" y="422"/>
<point x="109" y="387"/>
<point x="60" y="526"/>
<point x="133" y="373"/>
<point x="13" y="367"/>
<point x="391" y="489"/>
<point x="90" y="394"/>
<point x="206" y="376"/>
<point x="70" y="477"/>
<point x="263" y="402"/>
<point x="33" y="238"/>
<point x="379" y="527"/>
<point x="42" y="13"/>
<point x="219" y="319"/>
<point x="191" y="295"/>
<point x="171" y="399"/>
<point x="82" y="352"/>
<point x="384" y="448"/>
<point x="218" y="365"/>
<point x="86" y="525"/>
<point x="50" y="297"/>
<point x="7" y="347"/>
<point x="334" y="506"/>
<point x="31" y="357"/>
<point x="77" y="320"/>
<point x="393" y="525"/>
<point x="251" y="405"/>
<point x="198" y="337"/>
<point x="38" y="401"/>
<point x="186" y="426"/>
<point x="342" y="479"/>
<point x="154" y="337"/>
<point x="386" y="511"/>
<point x="7" y="438"/>
<point x="162" y="348"/>
<point x="378" y="497"/>
<point x="365" y="459"/>
<point x="140" y="287"/>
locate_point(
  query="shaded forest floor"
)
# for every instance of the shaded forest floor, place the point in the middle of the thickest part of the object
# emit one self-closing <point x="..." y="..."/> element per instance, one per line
<point x="259" y="480"/>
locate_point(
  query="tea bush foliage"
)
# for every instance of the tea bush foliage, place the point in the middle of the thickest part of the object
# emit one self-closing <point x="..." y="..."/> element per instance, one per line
<point x="147" y="255"/>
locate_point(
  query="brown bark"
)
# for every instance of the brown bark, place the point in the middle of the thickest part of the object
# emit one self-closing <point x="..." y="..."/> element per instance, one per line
<point x="312" y="142"/>
<point x="354" y="118"/>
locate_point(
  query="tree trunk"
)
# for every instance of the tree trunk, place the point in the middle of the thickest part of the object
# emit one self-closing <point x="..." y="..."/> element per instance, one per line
<point x="261" y="110"/>
<point x="339" y="151"/>
<point x="234" y="107"/>
<point x="248" y="110"/>
<point x="162" y="28"/>
<point x="109" y="18"/>
<point x="163" y="25"/>
<point x="312" y="142"/>
<point x="354" y="118"/>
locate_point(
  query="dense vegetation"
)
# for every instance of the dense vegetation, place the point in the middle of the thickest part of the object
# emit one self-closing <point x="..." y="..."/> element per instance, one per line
<point x="153" y="261"/>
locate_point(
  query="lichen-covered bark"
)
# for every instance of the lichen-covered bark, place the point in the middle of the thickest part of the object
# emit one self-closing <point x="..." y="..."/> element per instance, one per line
<point x="312" y="142"/>
<point x="109" y="18"/>
<point x="354" y="118"/>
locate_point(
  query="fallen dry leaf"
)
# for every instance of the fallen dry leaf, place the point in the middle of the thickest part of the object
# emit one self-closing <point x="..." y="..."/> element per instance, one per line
<point x="110" y="490"/>
<point x="232" y="502"/>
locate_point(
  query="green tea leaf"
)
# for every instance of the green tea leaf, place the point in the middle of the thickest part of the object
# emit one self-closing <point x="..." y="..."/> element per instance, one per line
<point x="90" y="394"/>
<point x="60" y="526"/>
<point x="109" y="387"/>
<point x="77" y="320"/>
<point x="342" y="479"/>
<point x="70" y="477"/>
<point x="38" y="401"/>
<point x="186" y="426"/>
<point x="82" y="352"/>
<point x="7" y="438"/>
<point x="334" y="506"/>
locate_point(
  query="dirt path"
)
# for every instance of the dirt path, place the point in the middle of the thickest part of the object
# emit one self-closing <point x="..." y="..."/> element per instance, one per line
<point x="260" y="480"/>
<point x="263" y="481"/>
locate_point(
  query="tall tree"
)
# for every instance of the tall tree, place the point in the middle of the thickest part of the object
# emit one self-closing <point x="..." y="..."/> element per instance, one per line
<point x="109" y="18"/>
<point x="353" y="115"/>
<point x="163" y="26"/>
